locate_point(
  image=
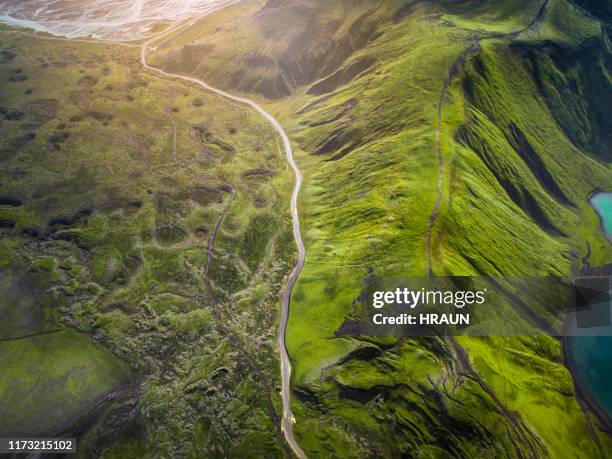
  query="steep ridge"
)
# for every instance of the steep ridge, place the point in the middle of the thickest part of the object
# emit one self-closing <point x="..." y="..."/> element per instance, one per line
<point x="301" y="42"/>
<point x="520" y="156"/>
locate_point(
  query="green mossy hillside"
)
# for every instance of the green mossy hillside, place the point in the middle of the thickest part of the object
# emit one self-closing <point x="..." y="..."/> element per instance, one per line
<point x="506" y="102"/>
<point x="106" y="229"/>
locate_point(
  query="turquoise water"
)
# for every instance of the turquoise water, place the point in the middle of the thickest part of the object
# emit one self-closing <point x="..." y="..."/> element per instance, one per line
<point x="592" y="364"/>
<point x="602" y="203"/>
<point x="591" y="356"/>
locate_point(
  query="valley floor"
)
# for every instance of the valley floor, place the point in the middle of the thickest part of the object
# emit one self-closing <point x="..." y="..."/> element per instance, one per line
<point x="446" y="139"/>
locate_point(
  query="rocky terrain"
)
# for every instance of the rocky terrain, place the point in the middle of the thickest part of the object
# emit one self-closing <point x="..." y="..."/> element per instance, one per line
<point x="145" y="233"/>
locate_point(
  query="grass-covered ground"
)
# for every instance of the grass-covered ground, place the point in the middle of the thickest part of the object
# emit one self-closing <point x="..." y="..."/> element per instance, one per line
<point x="105" y="228"/>
<point x="50" y="380"/>
<point x="515" y="97"/>
<point x="104" y="235"/>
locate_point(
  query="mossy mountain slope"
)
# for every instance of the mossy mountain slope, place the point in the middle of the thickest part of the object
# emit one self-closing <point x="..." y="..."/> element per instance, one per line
<point x="507" y="103"/>
<point x="279" y="46"/>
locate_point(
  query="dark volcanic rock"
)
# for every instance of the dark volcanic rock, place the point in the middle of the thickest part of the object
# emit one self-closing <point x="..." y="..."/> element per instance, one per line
<point x="260" y="172"/>
<point x="12" y="115"/>
<point x="11" y="201"/>
<point x="6" y="56"/>
<point x="41" y="110"/>
<point x="57" y="139"/>
<point x="18" y="77"/>
<point x="7" y="224"/>
<point x="70" y="220"/>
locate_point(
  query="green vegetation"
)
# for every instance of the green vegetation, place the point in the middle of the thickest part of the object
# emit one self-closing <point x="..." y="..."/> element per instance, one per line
<point x="524" y="91"/>
<point x="104" y="240"/>
<point x="103" y="230"/>
<point x="48" y="381"/>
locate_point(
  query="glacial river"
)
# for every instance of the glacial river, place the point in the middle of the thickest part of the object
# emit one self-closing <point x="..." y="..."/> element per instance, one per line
<point x="591" y="356"/>
<point x="101" y="19"/>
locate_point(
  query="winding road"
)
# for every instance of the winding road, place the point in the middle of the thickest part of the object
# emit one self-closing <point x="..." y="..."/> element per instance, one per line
<point x="287" y="417"/>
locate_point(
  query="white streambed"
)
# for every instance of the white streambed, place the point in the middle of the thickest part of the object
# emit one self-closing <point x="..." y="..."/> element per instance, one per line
<point x="101" y="19"/>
